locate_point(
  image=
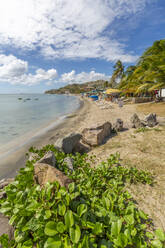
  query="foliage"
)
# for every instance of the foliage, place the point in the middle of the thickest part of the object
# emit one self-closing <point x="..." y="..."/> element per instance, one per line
<point x="117" y="73"/>
<point x="146" y="129"/>
<point x="96" y="211"/>
<point x="149" y="73"/>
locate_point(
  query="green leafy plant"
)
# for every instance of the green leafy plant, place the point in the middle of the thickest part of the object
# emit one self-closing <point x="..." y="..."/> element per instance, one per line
<point x="95" y="211"/>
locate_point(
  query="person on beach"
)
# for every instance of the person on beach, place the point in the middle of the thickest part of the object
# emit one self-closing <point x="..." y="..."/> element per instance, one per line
<point x="120" y="103"/>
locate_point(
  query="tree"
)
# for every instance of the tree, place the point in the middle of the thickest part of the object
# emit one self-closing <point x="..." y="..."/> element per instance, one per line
<point x="117" y="73"/>
<point x="149" y="73"/>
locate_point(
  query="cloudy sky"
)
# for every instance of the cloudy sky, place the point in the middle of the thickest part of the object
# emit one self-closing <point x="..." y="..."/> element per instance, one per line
<point x="46" y="44"/>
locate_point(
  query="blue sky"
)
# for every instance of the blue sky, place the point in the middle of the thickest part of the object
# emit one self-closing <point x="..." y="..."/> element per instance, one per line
<point x="48" y="44"/>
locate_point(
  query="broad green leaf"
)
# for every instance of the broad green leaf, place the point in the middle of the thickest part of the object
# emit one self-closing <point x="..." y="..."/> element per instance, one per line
<point x="27" y="244"/>
<point x="54" y="242"/>
<point x="5" y="210"/>
<point x="133" y="232"/>
<point x="47" y="214"/>
<point x="61" y="209"/>
<point x="149" y="235"/>
<point x="129" y="219"/>
<point x="142" y="215"/>
<point x="13" y="218"/>
<point x="121" y="240"/>
<point x="61" y="227"/>
<point x="81" y="209"/>
<point x="98" y="228"/>
<point x="116" y="227"/>
<point x="157" y="244"/>
<point x="71" y="187"/>
<point x="75" y="234"/>
<point x="160" y="234"/>
<point x="106" y="202"/>
<point x="69" y="219"/>
<point x="50" y="228"/>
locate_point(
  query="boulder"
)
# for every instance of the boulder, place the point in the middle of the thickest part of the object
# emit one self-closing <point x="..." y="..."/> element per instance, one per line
<point x="45" y="173"/>
<point x="151" y="120"/>
<point x="96" y="135"/>
<point x="69" y="163"/>
<point x="48" y="158"/>
<point x="5" y="228"/>
<point x="81" y="147"/>
<point x="118" y="126"/>
<point x="136" y="122"/>
<point x="68" y="143"/>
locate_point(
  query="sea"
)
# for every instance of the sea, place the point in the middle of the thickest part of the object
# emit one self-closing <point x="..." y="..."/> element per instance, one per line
<point x="23" y="113"/>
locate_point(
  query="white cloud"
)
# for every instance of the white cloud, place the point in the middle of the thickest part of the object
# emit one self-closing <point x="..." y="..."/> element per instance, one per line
<point x="66" y="28"/>
<point x="72" y="77"/>
<point x="15" y="71"/>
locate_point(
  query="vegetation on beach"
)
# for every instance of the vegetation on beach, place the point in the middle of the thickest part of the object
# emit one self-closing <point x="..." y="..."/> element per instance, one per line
<point x="95" y="211"/>
<point x="149" y="72"/>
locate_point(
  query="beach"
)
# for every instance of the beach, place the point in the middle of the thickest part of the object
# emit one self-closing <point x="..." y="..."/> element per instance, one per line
<point x="143" y="150"/>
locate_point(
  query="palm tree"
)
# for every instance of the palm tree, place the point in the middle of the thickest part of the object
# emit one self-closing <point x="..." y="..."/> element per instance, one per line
<point x="149" y="73"/>
<point x="117" y="73"/>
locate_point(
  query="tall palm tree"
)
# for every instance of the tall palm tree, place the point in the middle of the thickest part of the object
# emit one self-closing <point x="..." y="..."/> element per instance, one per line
<point x="117" y="73"/>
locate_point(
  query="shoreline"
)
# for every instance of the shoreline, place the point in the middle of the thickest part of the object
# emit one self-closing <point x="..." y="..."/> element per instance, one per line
<point x="15" y="158"/>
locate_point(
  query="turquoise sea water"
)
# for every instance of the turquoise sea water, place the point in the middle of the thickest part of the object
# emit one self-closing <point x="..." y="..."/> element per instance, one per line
<point x="20" y="116"/>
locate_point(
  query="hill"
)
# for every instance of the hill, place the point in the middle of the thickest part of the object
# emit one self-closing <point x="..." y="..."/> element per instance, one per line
<point x="79" y="88"/>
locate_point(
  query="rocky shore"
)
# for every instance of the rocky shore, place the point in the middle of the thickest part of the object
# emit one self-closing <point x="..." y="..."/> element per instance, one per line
<point x="94" y="128"/>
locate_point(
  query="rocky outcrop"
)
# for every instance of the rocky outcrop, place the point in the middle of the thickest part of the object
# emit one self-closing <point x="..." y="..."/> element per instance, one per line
<point x="44" y="173"/>
<point x="151" y="120"/>
<point x="68" y="143"/>
<point x="48" y="158"/>
<point x="118" y="126"/>
<point x="81" y="147"/>
<point x="96" y="135"/>
<point x="68" y="161"/>
<point x="136" y="122"/>
<point x="5" y="228"/>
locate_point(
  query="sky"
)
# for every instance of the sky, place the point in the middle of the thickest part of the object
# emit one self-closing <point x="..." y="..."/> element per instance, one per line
<point x="46" y="44"/>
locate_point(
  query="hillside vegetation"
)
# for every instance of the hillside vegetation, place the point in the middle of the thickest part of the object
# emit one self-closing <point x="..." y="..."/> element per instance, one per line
<point x="78" y="88"/>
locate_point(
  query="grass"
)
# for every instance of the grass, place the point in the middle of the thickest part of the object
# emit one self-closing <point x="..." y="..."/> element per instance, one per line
<point x="158" y="108"/>
<point x="146" y="129"/>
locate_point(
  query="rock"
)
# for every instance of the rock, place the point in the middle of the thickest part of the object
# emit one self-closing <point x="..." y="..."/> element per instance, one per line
<point x="69" y="162"/>
<point x="136" y="122"/>
<point x="151" y="120"/>
<point x="45" y="173"/>
<point x="5" y="228"/>
<point x="82" y="147"/>
<point x="33" y="156"/>
<point x="96" y="135"/>
<point x="5" y="182"/>
<point x="118" y="126"/>
<point x="68" y="143"/>
<point x="48" y="158"/>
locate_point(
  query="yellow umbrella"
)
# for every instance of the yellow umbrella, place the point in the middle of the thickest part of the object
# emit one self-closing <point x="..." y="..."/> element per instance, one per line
<point x="111" y="91"/>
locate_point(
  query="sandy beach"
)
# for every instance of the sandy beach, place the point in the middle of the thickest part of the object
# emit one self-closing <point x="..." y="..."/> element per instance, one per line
<point x="142" y="150"/>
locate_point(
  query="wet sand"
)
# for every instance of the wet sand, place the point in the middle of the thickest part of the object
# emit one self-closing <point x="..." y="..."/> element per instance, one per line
<point x="12" y="159"/>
